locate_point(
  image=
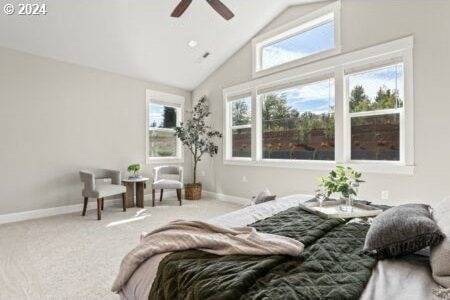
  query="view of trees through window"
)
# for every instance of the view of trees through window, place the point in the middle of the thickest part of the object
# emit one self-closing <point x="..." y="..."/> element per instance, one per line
<point x="383" y="89"/>
<point x="241" y="127"/>
<point x="376" y="136"/>
<point x="162" y="140"/>
<point x="298" y="123"/>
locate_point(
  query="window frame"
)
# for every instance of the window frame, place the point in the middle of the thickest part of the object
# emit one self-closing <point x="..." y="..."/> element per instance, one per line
<point x="358" y="69"/>
<point x="228" y="140"/>
<point x="170" y="100"/>
<point x="232" y="127"/>
<point x="303" y="24"/>
<point x="400" y="50"/>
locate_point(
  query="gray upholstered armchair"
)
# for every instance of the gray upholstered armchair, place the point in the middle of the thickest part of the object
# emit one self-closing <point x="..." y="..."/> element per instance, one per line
<point x="162" y="183"/>
<point x="100" y="190"/>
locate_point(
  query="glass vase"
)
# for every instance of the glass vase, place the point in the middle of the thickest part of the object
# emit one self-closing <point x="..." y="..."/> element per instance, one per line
<point x="347" y="204"/>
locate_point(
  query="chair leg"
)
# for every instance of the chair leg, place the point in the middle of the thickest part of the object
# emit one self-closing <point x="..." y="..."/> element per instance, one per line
<point x="124" y="201"/>
<point x="153" y="197"/>
<point x="161" y="195"/>
<point x="85" y="206"/>
<point x="179" y="195"/>
<point x="103" y="203"/>
<point x="99" y="206"/>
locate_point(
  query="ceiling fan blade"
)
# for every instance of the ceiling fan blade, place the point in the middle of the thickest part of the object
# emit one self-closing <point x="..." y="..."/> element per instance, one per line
<point x="181" y="7"/>
<point x="224" y="11"/>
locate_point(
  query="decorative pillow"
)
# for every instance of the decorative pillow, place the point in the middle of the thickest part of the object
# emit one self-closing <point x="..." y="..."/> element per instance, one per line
<point x="440" y="254"/>
<point x="264" y="196"/>
<point x="402" y="230"/>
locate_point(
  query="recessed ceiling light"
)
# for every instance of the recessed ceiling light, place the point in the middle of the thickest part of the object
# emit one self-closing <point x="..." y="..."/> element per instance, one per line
<point x="192" y="43"/>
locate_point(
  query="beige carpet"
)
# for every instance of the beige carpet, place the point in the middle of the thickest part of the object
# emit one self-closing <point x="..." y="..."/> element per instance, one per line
<point x="74" y="257"/>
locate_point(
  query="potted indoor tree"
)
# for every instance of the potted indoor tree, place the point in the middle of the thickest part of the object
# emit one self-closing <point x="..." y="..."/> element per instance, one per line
<point x="200" y="139"/>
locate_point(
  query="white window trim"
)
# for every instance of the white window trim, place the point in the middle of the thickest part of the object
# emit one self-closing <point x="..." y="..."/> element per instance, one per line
<point x="401" y="49"/>
<point x="288" y="30"/>
<point x="172" y="100"/>
<point x="348" y="117"/>
<point x="228" y="146"/>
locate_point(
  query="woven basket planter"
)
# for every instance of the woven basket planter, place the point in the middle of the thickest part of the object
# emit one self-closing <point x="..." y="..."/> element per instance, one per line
<point x="193" y="191"/>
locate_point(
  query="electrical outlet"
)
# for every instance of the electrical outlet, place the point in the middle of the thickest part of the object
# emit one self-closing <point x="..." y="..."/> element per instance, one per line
<point x="384" y="195"/>
<point x="244" y="179"/>
<point x="203" y="173"/>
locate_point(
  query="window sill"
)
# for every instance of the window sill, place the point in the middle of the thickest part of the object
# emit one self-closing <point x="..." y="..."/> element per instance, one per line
<point x="368" y="167"/>
<point x="164" y="160"/>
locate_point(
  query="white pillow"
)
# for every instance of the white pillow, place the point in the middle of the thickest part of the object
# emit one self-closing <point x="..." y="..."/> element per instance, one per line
<point x="441" y="214"/>
<point x="440" y="255"/>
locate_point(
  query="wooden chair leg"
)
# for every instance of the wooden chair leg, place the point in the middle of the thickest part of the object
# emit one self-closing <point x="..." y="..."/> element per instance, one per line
<point x="99" y="206"/>
<point x="179" y="195"/>
<point x="161" y="195"/>
<point x="85" y="206"/>
<point x="124" y="201"/>
<point x="153" y="197"/>
<point x="103" y="203"/>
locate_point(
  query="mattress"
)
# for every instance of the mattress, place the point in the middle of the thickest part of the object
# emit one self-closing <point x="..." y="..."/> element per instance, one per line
<point x="403" y="278"/>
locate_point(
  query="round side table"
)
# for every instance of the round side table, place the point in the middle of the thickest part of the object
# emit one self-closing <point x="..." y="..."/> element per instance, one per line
<point x="138" y="185"/>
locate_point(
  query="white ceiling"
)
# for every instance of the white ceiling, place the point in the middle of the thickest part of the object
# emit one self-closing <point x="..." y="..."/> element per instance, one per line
<point x="137" y="38"/>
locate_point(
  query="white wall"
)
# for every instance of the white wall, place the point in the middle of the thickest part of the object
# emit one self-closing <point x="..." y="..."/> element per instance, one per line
<point x="57" y="118"/>
<point x="364" y="23"/>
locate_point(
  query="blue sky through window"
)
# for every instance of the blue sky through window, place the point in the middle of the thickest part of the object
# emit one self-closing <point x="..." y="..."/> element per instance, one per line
<point x="390" y="77"/>
<point x="156" y="113"/>
<point x="306" y="43"/>
<point x="317" y="97"/>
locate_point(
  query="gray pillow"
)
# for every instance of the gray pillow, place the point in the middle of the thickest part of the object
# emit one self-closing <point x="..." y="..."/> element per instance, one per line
<point x="264" y="196"/>
<point x="402" y="230"/>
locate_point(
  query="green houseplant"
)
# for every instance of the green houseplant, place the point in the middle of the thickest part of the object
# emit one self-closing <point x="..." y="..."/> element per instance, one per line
<point x="199" y="138"/>
<point x="344" y="181"/>
<point x="134" y="169"/>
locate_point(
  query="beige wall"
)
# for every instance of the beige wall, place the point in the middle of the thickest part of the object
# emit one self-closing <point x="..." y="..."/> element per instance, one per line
<point x="364" y="23"/>
<point x="57" y="118"/>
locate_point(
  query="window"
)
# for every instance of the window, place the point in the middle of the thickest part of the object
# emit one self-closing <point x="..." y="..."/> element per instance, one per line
<point x="305" y="43"/>
<point x="298" y="122"/>
<point x="241" y="128"/>
<point x="354" y="109"/>
<point x="163" y="115"/>
<point x="309" y="38"/>
<point x="163" y="120"/>
<point x="375" y="102"/>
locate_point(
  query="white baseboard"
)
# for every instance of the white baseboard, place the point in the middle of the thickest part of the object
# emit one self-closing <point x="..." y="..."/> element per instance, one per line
<point x="60" y="210"/>
<point x="228" y="198"/>
<point x="53" y="211"/>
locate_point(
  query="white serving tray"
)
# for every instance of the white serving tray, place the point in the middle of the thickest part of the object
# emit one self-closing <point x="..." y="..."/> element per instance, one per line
<point x="331" y="209"/>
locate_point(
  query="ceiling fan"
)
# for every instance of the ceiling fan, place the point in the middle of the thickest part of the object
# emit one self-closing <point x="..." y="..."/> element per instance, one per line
<point x="217" y="5"/>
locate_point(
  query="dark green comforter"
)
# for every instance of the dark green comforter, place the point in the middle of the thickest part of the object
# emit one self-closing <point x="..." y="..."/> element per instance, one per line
<point x="332" y="266"/>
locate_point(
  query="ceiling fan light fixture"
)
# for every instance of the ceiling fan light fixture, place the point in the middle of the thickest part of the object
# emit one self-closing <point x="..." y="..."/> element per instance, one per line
<point x="193" y="43"/>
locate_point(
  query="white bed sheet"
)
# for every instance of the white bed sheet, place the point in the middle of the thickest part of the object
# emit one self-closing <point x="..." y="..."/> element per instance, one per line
<point x="407" y="278"/>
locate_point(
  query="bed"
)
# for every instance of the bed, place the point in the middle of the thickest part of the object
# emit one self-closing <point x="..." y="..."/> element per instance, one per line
<point x="405" y="278"/>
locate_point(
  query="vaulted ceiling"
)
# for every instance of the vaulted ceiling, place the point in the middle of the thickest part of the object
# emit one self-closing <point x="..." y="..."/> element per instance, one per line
<point x="138" y="38"/>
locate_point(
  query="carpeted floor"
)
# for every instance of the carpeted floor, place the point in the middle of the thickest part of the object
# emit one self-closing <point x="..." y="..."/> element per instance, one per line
<point x="74" y="257"/>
